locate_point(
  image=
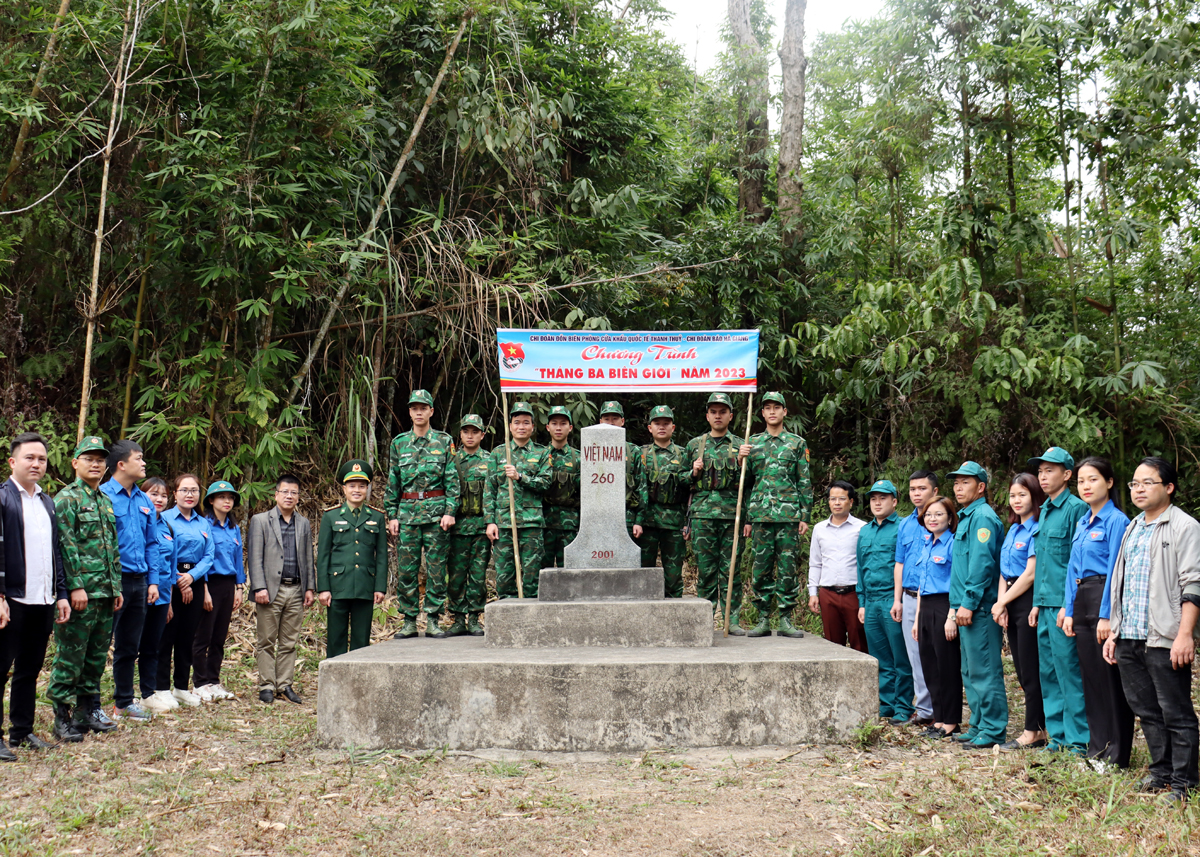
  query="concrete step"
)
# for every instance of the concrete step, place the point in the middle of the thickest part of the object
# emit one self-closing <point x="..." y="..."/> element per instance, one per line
<point x="600" y="584"/>
<point x="526" y="623"/>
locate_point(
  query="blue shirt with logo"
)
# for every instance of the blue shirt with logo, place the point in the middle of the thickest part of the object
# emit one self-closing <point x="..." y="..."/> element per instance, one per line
<point x="909" y="545"/>
<point x="934" y="564"/>
<point x="1019" y="545"/>
<point x="228" y="559"/>
<point x="1094" y="549"/>
<point x="193" y="540"/>
<point x="170" y="553"/>
<point x="137" y="535"/>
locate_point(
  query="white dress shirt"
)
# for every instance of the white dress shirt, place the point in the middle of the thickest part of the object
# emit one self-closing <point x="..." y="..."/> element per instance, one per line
<point x="833" y="555"/>
<point x="39" y="548"/>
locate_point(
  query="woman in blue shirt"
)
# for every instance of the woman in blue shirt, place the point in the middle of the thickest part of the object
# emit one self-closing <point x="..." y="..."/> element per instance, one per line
<point x="222" y="591"/>
<point x="156" y="614"/>
<point x="194" y="558"/>
<point x="937" y="637"/>
<point x="1094" y="548"/>
<point x="1018" y="561"/>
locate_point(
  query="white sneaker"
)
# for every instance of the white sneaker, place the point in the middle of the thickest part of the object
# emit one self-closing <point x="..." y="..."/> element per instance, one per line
<point x="205" y="692"/>
<point x="159" y="701"/>
<point x="219" y="692"/>
<point x="185" y="697"/>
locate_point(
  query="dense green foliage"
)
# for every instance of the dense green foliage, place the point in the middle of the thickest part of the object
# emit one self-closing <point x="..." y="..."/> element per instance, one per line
<point x="999" y="248"/>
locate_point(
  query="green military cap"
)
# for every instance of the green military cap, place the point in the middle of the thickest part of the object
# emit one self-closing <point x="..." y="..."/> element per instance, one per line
<point x="773" y="397"/>
<point x="720" y="399"/>
<point x="970" y="468"/>
<point x="612" y="407"/>
<point x="354" y="469"/>
<point x="222" y="487"/>
<point x="1054" y="455"/>
<point x="90" y="444"/>
<point x="883" y="486"/>
<point x="661" y="412"/>
<point x="560" y="411"/>
<point x="420" y="397"/>
<point x="521" y="408"/>
<point x="472" y="420"/>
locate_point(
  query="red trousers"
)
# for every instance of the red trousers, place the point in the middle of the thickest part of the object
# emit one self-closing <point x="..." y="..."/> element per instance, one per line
<point x="839" y="618"/>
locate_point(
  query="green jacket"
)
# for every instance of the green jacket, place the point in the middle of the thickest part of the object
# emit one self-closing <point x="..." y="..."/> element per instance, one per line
<point x="472" y="479"/>
<point x="87" y="533"/>
<point x="666" y="484"/>
<point x="352" y="552"/>
<point x="1056" y="529"/>
<point x="533" y="464"/>
<point x="876" y="554"/>
<point x="560" y="502"/>
<point x="634" y="483"/>
<point x="975" y="572"/>
<point x="782" y="488"/>
<point x="716" y="488"/>
<point x="419" y="464"/>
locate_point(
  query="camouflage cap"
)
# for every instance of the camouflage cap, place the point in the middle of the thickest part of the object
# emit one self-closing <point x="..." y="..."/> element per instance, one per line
<point x="970" y="468"/>
<point x="560" y="411"/>
<point x="773" y="397"/>
<point x="720" y="399"/>
<point x="473" y="421"/>
<point x="222" y="487"/>
<point x="612" y="407"/>
<point x="521" y="408"/>
<point x="354" y="469"/>
<point x="92" y="443"/>
<point x="883" y="486"/>
<point x="420" y="397"/>
<point x="661" y="412"/>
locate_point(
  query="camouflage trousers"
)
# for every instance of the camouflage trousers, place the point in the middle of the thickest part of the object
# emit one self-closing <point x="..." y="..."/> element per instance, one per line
<point x="435" y="542"/>
<point x="673" y="548"/>
<point x="774" y="547"/>
<point x="553" y="542"/>
<point x="712" y="540"/>
<point x="469" y="556"/>
<point x="81" y="654"/>
<point x="530" y="542"/>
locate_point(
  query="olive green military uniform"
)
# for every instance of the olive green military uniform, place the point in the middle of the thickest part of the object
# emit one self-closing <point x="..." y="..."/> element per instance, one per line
<point x="352" y="565"/>
<point x="533" y="467"/>
<point x="560" y="503"/>
<point x="634" y="478"/>
<point x="470" y="549"/>
<point x="422" y="487"/>
<point x="663" y="505"/>
<point x="87" y="532"/>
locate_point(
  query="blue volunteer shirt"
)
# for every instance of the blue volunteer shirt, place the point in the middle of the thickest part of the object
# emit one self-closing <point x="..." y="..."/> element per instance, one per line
<point x="137" y="536"/>
<point x="1094" y="549"/>
<point x="910" y="544"/>
<point x="934" y="564"/>
<point x="1019" y="545"/>
<point x="228" y="559"/>
<point x="194" y="541"/>
<point x="170" y="551"/>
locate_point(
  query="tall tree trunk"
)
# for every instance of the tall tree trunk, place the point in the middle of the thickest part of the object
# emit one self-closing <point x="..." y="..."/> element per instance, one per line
<point x="1066" y="165"/>
<point x="753" y="64"/>
<point x="1011" y="176"/>
<point x="791" y="124"/>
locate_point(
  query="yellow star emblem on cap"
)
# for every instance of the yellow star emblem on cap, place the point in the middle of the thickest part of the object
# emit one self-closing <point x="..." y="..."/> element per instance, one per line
<point x="356" y="468"/>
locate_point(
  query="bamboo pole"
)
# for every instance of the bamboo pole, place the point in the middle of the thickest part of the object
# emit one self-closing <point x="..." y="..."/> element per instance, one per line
<point x="737" y="517"/>
<point x="512" y="498"/>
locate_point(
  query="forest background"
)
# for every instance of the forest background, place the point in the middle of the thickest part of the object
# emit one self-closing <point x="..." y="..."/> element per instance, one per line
<point x="973" y="234"/>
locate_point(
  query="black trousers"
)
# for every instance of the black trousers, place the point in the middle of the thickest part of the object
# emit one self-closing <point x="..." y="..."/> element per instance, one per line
<point x="209" y="650"/>
<point x="147" y="661"/>
<point x="1109" y="718"/>
<point x="23" y="650"/>
<point x="178" y="638"/>
<point x="1022" y="642"/>
<point x="127" y="636"/>
<point x="1162" y="697"/>
<point x="941" y="660"/>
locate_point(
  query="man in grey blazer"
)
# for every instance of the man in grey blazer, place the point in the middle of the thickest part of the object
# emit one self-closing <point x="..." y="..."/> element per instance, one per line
<point x="282" y="578"/>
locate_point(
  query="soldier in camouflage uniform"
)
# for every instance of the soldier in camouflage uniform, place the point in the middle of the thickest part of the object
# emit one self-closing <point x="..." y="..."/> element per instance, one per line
<point x="779" y="512"/>
<point x="612" y="414"/>
<point x="529" y="474"/>
<point x="665" y="489"/>
<point x="714" y="478"/>
<point x="470" y="549"/>
<point x="560" y="503"/>
<point x="87" y="531"/>
<point x="422" y="496"/>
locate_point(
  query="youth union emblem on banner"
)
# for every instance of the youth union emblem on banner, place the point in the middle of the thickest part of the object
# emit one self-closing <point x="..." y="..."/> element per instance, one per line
<point x="512" y="354"/>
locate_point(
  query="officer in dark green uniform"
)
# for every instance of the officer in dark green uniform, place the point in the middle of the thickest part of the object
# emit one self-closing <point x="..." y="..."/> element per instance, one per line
<point x="666" y="485"/>
<point x="714" y="475"/>
<point x="779" y="511"/>
<point x="974" y="588"/>
<point x="612" y="414"/>
<point x="876" y="556"/>
<point x="470" y="549"/>
<point x="352" y="561"/>
<point x="560" y="503"/>
<point x="529" y="475"/>
<point x="87" y="532"/>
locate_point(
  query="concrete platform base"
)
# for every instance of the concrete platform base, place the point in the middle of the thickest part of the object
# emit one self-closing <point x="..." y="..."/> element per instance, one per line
<point x="460" y="694"/>
<point x="600" y="584"/>
<point x="522" y="623"/>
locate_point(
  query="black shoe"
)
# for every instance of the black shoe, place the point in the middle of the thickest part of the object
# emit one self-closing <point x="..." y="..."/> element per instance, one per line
<point x="267" y="696"/>
<point x="916" y="720"/>
<point x="33" y="742"/>
<point x="93" y="721"/>
<point x="1152" y="785"/>
<point x="1017" y="745"/>
<point x="64" y="729"/>
<point x="291" y="695"/>
<point x="6" y="755"/>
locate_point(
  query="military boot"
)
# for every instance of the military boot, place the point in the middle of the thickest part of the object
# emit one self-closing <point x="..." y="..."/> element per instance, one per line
<point x="762" y="629"/>
<point x="787" y="629"/>
<point x="473" y="626"/>
<point x="735" y="630"/>
<point x="432" y="629"/>
<point x="458" y="628"/>
<point x="64" y="729"/>
<point x="407" y="630"/>
<point x="91" y="718"/>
